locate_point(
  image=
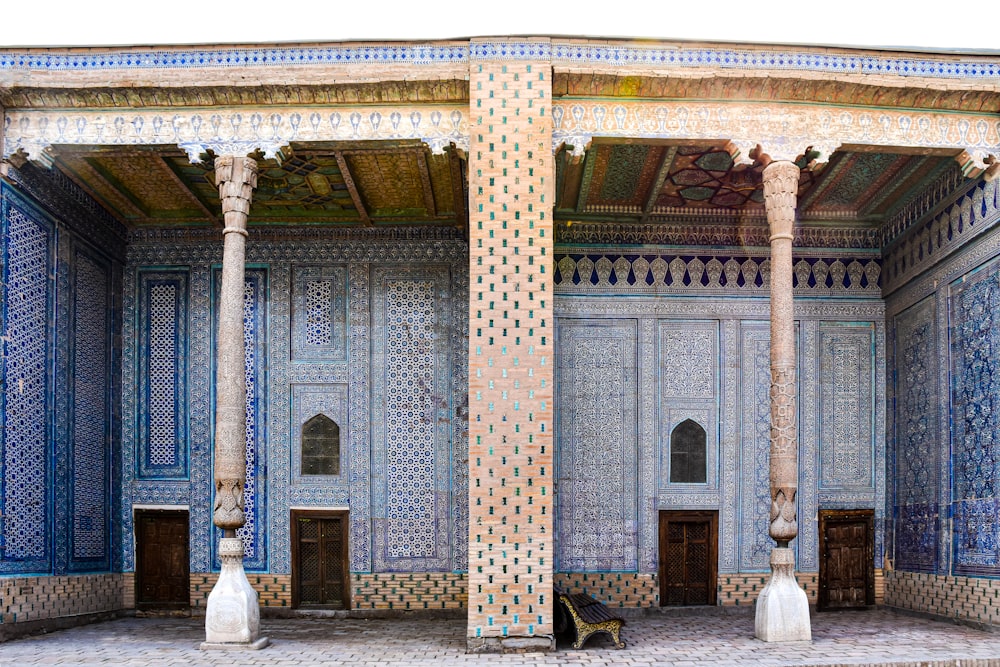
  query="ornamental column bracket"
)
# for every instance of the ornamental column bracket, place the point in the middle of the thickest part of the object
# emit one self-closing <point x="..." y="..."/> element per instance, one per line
<point x="232" y="618"/>
<point x="782" y="612"/>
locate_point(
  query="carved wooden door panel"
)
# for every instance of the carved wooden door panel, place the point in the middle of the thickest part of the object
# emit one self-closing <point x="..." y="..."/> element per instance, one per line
<point x="688" y="558"/>
<point x="162" y="568"/>
<point x="847" y="578"/>
<point x="320" y="562"/>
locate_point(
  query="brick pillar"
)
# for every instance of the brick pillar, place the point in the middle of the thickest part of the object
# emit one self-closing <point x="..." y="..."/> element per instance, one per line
<point x="511" y="179"/>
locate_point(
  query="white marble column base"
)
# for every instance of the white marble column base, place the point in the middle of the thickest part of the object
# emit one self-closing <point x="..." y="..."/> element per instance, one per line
<point x="232" y="619"/>
<point x="782" y="607"/>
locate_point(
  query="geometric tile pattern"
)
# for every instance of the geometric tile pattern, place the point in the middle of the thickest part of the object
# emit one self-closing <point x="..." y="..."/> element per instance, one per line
<point x="410" y="371"/>
<point x="847" y="434"/>
<point x="680" y="337"/>
<point x="597" y="500"/>
<point x="163" y="446"/>
<point x="252" y="533"/>
<point x="90" y="462"/>
<point x="975" y="357"/>
<point x="298" y="387"/>
<point x="319" y="313"/>
<point x="670" y="56"/>
<point x="28" y="296"/>
<point x="916" y="476"/>
<point x="653" y="273"/>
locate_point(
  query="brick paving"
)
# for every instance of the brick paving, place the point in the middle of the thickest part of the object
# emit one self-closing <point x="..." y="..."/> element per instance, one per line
<point x="842" y="638"/>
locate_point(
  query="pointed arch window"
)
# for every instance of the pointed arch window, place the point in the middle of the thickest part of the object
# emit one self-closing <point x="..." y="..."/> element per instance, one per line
<point x="320" y="446"/>
<point x="687" y="453"/>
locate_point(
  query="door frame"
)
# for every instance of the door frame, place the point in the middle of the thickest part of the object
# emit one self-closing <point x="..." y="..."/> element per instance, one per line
<point x="827" y="516"/>
<point x="178" y="513"/>
<point x="342" y="515"/>
<point x="690" y="516"/>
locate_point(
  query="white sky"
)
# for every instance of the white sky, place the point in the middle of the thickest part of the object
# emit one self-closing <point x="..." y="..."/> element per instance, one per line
<point x="886" y="23"/>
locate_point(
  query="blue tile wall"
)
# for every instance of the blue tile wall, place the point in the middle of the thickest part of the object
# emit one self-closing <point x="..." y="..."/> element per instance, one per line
<point x="163" y="372"/>
<point x="916" y="474"/>
<point x="975" y="463"/>
<point x="27" y="445"/>
<point x="300" y="365"/>
<point x="59" y="376"/>
<point x="253" y="532"/>
<point x="702" y="352"/>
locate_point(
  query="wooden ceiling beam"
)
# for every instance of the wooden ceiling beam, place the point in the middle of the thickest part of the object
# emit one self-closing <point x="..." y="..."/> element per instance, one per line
<point x="457" y="190"/>
<point x="661" y="175"/>
<point x="345" y="171"/>
<point x="425" y="182"/>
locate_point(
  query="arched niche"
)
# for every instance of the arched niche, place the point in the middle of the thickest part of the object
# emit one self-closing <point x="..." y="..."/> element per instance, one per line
<point x="320" y="446"/>
<point x="688" y="453"/>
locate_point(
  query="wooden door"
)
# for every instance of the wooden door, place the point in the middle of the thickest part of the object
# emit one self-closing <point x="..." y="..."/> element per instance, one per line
<point x="688" y="558"/>
<point x="319" y="560"/>
<point x="846" y="567"/>
<point x="162" y="563"/>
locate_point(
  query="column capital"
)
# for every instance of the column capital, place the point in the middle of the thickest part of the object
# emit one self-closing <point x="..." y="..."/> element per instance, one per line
<point x="781" y="188"/>
<point x="236" y="178"/>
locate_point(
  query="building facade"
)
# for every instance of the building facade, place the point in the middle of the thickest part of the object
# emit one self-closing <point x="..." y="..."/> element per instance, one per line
<point x="505" y="325"/>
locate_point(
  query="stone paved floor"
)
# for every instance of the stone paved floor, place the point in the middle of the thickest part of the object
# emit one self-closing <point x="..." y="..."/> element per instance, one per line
<point x="855" y="638"/>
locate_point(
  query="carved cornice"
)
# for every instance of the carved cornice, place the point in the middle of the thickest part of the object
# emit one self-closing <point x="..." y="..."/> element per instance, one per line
<point x="784" y="130"/>
<point x="259" y="235"/>
<point x="733" y="232"/>
<point x="150" y="97"/>
<point x="233" y="130"/>
<point x="786" y="86"/>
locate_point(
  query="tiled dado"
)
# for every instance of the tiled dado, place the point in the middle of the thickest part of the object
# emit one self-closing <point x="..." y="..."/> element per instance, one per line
<point x="273" y="590"/>
<point x="630" y="589"/>
<point x="26" y="599"/>
<point x="967" y="599"/>
<point x="410" y="591"/>
<point x="615" y="589"/>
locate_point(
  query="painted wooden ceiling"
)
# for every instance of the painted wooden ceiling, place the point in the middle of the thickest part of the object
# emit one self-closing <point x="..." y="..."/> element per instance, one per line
<point x="370" y="185"/>
<point x="644" y="182"/>
<point x="402" y="183"/>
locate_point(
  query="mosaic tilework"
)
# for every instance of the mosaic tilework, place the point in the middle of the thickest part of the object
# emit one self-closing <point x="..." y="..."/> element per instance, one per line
<point x="925" y="243"/>
<point x="410" y="417"/>
<point x="755" y="543"/>
<point x="252" y="533"/>
<point x="309" y="400"/>
<point x="596" y="503"/>
<point x="163" y="444"/>
<point x="272" y="56"/>
<point x="688" y="373"/>
<point x="738" y="347"/>
<point x="352" y="489"/>
<point x="651" y="273"/>
<point x="91" y="486"/>
<point x="510" y="387"/>
<point x="28" y="298"/>
<point x="319" y="313"/>
<point x="564" y="53"/>
<point x="847" y="437"/>
<point x="975" y="345"/>
<point x="915" y="475"/>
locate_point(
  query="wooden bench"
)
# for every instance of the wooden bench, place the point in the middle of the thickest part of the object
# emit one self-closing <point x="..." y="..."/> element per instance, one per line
<point x="589" y="617"/>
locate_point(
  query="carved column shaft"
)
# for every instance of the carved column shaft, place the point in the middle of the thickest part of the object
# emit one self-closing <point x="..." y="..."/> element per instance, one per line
<point x="781" y="184"/>
<point x="236" y="178"/>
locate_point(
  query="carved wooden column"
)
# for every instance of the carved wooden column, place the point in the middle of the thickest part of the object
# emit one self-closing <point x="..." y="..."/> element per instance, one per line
<point x="233" y="615"/>
<point x="782" y="608"/>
